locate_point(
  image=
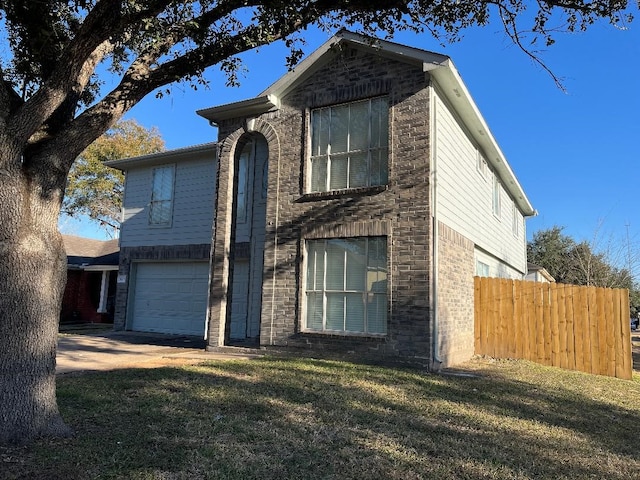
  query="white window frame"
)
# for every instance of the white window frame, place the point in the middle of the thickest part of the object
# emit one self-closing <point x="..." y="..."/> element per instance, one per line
<point x="315" y="287"/>
<point x="165" y="199"/>
<point x="482" y="269"/>
<point x="482" y="165"/>
<point x="378" y="146"/>
<point x="496" y="196"/>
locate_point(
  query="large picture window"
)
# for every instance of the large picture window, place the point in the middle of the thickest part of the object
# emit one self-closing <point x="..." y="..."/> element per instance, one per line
<point x="161" y="208"/>
<point x="346" y="285"/>
<point x="349" y="145"/>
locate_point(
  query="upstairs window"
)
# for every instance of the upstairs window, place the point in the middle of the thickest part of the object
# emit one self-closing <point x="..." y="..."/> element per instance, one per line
<point x="497" y="200"/>
<point x="481" y="165"/>
<point x="161" y="207"/>
<point x="349" y="145"/>
<point x="516" y="221"/>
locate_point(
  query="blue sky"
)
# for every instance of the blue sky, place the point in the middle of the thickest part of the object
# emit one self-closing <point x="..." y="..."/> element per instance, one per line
<point x="576" y="153"/>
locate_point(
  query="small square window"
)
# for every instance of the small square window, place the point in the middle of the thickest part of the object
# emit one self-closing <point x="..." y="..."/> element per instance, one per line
<point x="482" y="269"/>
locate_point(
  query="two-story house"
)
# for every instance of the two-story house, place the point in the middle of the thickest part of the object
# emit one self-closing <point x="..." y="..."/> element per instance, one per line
<point x="355" y="200"/>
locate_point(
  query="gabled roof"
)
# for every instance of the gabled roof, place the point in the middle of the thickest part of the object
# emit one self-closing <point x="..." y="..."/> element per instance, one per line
<point x="82" y="252"/>
<point x="440" y="68"/>
<point x="163" y="157"/>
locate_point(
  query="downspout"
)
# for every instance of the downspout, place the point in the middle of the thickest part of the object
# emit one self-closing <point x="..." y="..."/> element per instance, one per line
<point x="436" y="363"/>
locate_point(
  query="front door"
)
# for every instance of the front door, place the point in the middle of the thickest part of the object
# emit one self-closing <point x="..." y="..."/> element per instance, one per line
<point x="248" y="259"/>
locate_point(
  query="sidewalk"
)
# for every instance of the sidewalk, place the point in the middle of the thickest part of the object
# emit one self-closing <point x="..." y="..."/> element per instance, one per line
<point x="115" y="350"/>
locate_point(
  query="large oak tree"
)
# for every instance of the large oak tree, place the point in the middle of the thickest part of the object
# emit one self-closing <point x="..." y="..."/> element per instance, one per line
<point x="53" y="105"/>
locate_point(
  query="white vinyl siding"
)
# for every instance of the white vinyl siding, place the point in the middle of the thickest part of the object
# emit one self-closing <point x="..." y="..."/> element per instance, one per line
<point x="346" y="285"/>
<point x="349" y="145"/>
<point x="489" y="266"/>
<point x="466" y="200"/>
<point x="193" y="200"/>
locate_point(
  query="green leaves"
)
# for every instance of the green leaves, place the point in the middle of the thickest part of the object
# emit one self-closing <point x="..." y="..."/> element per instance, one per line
<point x="95" y="190"/>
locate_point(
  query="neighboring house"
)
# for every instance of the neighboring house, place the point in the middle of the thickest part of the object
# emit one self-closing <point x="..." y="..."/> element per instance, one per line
<point x="536" y="273"/>
<point x="356" y="198"/>
<point x="92" y="267"/>
<point x="165" y="240"/>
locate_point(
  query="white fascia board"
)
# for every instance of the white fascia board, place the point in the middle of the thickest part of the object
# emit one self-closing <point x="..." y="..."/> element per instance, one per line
<point x="451" y="85"/>
<point x="101" y="268"/>
<point x="324" y="54"/>
<point x="244" y="108"/>
<point x="163" y="157"/>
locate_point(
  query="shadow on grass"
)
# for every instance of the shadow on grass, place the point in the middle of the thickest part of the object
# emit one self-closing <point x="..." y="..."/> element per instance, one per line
<point x="275" y="419"/>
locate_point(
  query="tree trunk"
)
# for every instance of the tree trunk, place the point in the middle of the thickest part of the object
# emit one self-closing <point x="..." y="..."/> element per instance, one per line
<point x="32" y="281"/>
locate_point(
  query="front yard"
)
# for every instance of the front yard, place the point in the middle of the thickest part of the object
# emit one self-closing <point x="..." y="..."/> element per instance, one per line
<point x="312" y="419"/>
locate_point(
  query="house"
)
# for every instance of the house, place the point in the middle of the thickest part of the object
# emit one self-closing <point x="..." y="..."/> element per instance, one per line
<point x="91" y="279"/>
<point x="351" y="203"/>
<point x="165" y="240"/>
<point x="536" y="273"/>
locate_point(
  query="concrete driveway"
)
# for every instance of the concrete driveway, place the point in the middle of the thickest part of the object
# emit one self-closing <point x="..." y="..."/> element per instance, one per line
<point x="113" y="350"/>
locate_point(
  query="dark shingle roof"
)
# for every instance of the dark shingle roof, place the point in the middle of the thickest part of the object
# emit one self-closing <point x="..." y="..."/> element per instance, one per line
<point x="87" y="251"/>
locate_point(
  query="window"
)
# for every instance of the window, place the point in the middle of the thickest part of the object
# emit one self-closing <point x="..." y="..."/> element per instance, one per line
<point x="161" y="207"/>
<point x="243" y="185"/>
<point x="349" y="145"/>
<point x="482" y="269"/>
<point x="496" y="195"/>
<point x="482" y="165"/>
<point x="346" y="285"/>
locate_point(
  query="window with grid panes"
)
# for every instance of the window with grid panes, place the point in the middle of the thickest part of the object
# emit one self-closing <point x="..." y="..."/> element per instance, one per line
<point x="349" y="145"/>
<point x="346" y="285"/>
<point x="161" y="206"/>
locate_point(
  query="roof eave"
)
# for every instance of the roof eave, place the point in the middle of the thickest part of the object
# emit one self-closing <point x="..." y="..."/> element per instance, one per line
<point x="319" y="57"/>
<point x="245" y="108"/>
<point x="451" y="85"/>
<point x="161" y="157"/>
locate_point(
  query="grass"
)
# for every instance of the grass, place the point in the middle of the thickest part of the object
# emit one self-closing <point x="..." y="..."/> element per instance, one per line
<point x="314" y="419"/>
<point x="84" y="328"/>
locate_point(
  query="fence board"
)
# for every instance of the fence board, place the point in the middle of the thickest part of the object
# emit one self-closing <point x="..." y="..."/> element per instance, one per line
<point x="563" y="345"/>
<point x="609" y="332"/>
<point x="571" y="338"/>
<point x="627" y="365"/>
<point x="578" y="328"/>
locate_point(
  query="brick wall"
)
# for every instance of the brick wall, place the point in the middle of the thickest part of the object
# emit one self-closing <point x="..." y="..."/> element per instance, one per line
<point x="162" y="253"/>
<point x="456" y="269"/>
<point x="400" y="211"/>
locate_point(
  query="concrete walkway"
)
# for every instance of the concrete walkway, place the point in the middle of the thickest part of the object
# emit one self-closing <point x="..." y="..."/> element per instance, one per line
<point x="114" y="350"/>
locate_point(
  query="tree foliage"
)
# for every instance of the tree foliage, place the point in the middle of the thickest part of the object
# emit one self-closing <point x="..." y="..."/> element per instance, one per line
<point x="95" y="190"/>
<point x="57" y="46"/>
<point x="584" y="262"/>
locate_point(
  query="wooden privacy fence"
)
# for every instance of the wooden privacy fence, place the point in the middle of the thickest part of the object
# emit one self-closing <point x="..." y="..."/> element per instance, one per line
<point x="566" y="326"/>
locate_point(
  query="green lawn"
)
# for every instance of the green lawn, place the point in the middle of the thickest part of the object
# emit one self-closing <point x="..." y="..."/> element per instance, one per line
<point x="312" y="419"/>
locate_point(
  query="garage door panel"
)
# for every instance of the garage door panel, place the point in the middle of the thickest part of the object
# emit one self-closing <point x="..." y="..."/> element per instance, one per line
<point x="170" y="298"/>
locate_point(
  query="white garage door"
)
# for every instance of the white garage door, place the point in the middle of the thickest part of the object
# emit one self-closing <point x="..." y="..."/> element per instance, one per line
<point x="170" y="298"/>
